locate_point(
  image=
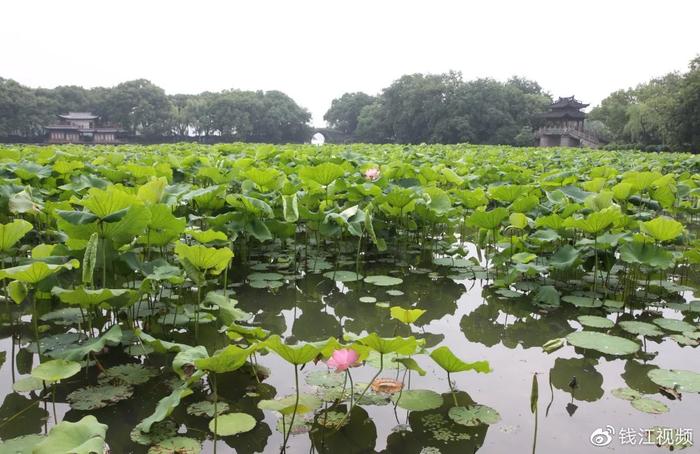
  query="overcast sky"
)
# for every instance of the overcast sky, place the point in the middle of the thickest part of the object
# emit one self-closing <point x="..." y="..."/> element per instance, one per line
<point x="316" y="50"/>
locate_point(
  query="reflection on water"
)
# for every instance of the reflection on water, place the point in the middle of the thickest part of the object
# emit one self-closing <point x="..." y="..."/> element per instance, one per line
<point x="473" y="319"/>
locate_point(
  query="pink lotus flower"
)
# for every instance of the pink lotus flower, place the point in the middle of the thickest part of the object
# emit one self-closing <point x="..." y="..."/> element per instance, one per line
<point x="372" y="174"/>
<point x="343" y="359"/>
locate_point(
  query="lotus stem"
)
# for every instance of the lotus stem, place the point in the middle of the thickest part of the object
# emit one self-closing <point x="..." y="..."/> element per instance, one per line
<point x="294" y="413"/>
<point x="381" y="367"/>
<point x="212" y="376"/>
<point x="452" y="390"/>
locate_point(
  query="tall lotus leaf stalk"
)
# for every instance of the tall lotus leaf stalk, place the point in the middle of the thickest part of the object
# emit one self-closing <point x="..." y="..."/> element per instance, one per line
<point x="212" y="376"/>
<point x="294" y="412"/>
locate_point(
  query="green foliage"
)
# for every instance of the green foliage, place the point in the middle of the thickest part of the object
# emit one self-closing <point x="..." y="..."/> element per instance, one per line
<point x="447" y="360"/>
<point x="86" y="436"/>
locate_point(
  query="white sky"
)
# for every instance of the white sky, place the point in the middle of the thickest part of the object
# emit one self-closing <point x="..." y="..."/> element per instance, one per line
<point x="316" y="50"/>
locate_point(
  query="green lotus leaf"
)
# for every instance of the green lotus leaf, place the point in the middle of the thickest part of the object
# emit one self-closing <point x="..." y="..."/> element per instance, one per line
<point x="27" y="384"/>
<point x="488" y="219"/>
<point x="547" y="295"/>
<point x="595" y="321"/>
<point x="649" y="406"/>
<point x="368" y="299"/>
<point x="112" y="337"/>
<point x="383" y="281"/>
<point x="604" y="343"/>
<point x="165" y="407"/>
<point x="678" y="326"/>
<point x="37" y="271"/>
<point x="582" y="301"/>
<point x="130" y="374"/>
<point x="232" y="424"/>
<point x="626" y="393"/>
<point x="394" y="292"/>
<point x="160" y="346"/>
<point x="646" y="254"/>
<point x="21" y="445"/>
<point x="18" y="291"/>
<point x="86" y="436"/>
<point x="163" y="227"/>
<point x="176" y="445"/>
<point x="213" y="260"/>
<point x="94" y="397"/>
<point x="55" y="370"/>
<point x="507" y="192"/>
<point x="662" y="228"/>
<point x="103" y="203"/>
<point x="159" y="431"/>
<point x="286" y="405"/>
<point x="207" y="236"/>
<point x="565" y="257"/>
<point x="11" y="233"/>
<point x="153" y="191"/>
<point x="524" y="257"/>
<point x="343" y="276"/>
<point x="323" y="174"/>
<point x="90" y="298"/>
<point x="325" y="378"/>
<point x="444" y="357"/>
<point x="384" y="345"/>
<point x="77" y="217"/>
<point x="225" y="360"/>
<point x="641" y="328"/>
<point x="410" y="364"/>
<point x="683" y="380"/>
<point x="206" y="408"/>
<point x="186" y="358"/>
<point x="598" y="221"/>
<point x="406" y="316"/>
<point x="417" y="399"/>
<point x="297" y="355"/>
<point x="474" y="415"/>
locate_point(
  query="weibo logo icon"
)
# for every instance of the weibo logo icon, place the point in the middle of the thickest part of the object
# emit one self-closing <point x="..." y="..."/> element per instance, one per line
<point x="602" y="437"/>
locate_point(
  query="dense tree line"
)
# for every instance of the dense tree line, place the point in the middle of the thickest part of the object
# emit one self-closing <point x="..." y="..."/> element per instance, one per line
<point x="663" y="113"/>
<point x="443" y="108"/>
<point x="141" y="108"/>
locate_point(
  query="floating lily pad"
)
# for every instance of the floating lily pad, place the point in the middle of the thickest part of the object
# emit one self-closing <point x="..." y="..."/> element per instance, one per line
<point x="27" y="384"/>
<point x="325" y="378"/>
<point x="582" y="301"/>
<point x="417" y="399"/>
<point x="265" y="277"/>
<point x="641" y="328"/>
<point x="266" y="284"/>
<point x="508" y="293"/>
<point x="302" y="425"/>
<point x="21" y="445"/>
<point x="649" y="406"/>
<point x="94" y="397"/>
<point x="670" y="324"/>
<point x="176" y="445"/>
<point x="684" y="340"/>
<point x="160" y="431"/>
<point x="130" y="374"/>
<point x="383" y="281"/>
<point x="393" y="292"/>
<point x="232" y="424"/>
<point x="604" y="343"/>
<point x="368" y="299"/>
<point x="595" y="321"/>
<point x="206" y="408"/>
<point x="685" y="380"/>
<point x="474" y="415"/>
<point x="343" y="276"/>
<point x="626" y="393"/>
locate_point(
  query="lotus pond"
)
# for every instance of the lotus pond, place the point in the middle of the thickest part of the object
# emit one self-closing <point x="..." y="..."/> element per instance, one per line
<point x="347" y="299"/>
